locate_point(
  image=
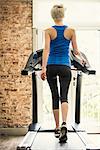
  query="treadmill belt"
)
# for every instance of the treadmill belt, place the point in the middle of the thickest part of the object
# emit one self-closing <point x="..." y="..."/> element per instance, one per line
<point x="47" y="141"/>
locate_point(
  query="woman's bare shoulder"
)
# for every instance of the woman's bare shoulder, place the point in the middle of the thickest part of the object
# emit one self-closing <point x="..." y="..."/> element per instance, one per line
<point x="49" y="29"/>
<point x="71" y="29"/>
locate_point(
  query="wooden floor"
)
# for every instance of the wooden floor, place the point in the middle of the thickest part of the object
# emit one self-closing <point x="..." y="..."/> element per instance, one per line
<point x="9" y="142"/>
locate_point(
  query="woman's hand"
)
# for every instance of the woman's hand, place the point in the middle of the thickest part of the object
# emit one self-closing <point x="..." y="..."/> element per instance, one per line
<point x="76" y="52"/>
<point x="79" y="56"/>
<point x="43" y="74"/>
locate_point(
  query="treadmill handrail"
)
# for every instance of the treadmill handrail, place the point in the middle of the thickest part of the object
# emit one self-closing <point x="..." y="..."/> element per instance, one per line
<point x="36" y="58"/>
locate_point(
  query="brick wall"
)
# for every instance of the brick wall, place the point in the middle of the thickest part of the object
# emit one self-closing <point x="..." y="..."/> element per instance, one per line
<point x="15" y="47"/>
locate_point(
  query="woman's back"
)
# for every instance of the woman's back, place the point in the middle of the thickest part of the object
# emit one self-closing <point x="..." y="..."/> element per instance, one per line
<point x="59" y="45"/>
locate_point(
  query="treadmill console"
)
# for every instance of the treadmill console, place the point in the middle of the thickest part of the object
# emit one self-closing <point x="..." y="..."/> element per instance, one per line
<point x="36" y="58"/>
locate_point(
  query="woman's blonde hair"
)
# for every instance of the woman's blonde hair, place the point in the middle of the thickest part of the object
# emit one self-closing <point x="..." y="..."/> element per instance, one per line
<point x="57" y="12"/>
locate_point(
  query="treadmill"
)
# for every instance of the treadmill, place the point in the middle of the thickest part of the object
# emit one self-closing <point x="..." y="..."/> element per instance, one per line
<point x="39" y="138"/>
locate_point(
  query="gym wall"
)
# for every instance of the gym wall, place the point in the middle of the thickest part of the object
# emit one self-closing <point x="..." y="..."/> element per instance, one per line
<point x="15" y="48"/>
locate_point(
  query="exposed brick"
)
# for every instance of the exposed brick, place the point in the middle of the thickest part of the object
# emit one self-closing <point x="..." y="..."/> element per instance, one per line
<point x="15" y="48"/>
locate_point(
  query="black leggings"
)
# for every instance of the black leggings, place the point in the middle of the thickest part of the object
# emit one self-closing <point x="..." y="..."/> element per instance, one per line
<point x="64" y="74"/>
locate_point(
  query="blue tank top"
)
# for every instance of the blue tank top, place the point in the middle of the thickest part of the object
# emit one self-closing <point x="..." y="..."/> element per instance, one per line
<point x="59" y="48"/>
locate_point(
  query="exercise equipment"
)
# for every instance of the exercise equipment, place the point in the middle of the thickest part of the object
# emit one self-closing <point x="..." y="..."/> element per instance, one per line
<point x="43" y="139"/>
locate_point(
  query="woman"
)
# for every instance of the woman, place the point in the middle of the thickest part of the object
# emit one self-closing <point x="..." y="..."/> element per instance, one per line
<point x="56" y="62"/>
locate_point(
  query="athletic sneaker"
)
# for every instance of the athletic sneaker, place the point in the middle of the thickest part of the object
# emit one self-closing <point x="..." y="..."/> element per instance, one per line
<point x="63" y="133"/>
<point x="57" y="133"/>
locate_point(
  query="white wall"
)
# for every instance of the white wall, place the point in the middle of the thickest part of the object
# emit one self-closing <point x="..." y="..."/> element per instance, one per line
<point x="78" y="13"/>
<point x="84" y="15"/>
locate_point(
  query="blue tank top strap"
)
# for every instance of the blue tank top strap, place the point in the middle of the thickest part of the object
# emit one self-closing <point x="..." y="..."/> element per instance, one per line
<point x="60" y="29"/>
<point x="55" y="26"/>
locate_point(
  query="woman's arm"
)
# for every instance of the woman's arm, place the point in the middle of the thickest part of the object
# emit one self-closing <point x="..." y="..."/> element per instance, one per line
<point x="74" y="43"/>
<point x="75" y="48"/>
<point x="45" y="55"/>
<point x="46" y="49"/>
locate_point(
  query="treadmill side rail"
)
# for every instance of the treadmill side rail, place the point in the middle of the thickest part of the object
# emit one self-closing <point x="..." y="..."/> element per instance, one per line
<point x="27" y="141"/>
<point x="87" y="141"/>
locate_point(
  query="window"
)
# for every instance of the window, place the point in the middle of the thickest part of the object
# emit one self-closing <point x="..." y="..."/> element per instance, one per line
<point x="88" y="42"/>
<point x="78" y="14"/>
